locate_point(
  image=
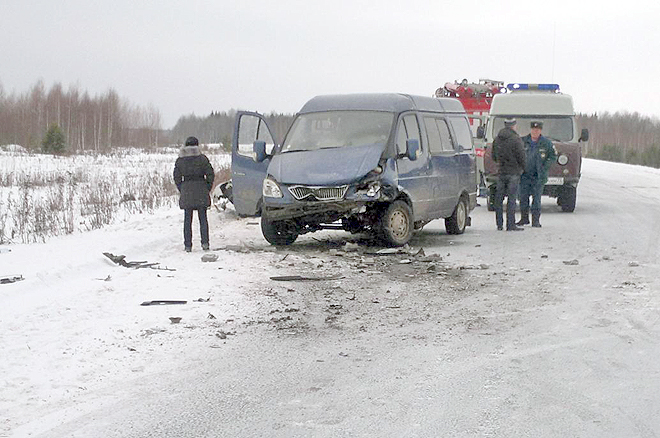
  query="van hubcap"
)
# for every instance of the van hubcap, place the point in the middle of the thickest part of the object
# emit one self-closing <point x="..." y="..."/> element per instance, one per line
<point x="399" y="224"/>
<point x="460" y="215"/>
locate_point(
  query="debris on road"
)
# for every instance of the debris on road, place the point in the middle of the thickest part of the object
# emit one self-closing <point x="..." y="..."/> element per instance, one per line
<point x="121" y="261"/>
<point x="175" y="319"/>
<point x="11" y="279"/>
<point x="305" y="278"/>
<point x="209" y="257"/>
<point x="202" y="300"/>
<point x="162" y="302"/>
<point x="573" y="262"/>
<point x="633" y="264"/>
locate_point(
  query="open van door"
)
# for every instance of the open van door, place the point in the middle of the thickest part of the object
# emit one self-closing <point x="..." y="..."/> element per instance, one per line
<point x="247" y="173"/>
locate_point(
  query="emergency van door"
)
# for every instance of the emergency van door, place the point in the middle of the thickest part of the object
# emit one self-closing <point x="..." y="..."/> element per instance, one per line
<point x="247" y="173"/>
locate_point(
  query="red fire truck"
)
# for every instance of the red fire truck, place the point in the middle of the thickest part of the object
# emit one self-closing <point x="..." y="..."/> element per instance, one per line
<point x="476" y="99"/>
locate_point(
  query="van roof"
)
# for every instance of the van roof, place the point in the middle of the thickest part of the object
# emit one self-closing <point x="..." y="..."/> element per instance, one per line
<point x="390" y="102"/>
<point x="532" y="103"/>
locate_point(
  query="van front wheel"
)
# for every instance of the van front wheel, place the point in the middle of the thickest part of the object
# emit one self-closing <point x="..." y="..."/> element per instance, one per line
<point x="396" y="224"/>
<point x="456" y="223"/>
<point x="279" y="233"/>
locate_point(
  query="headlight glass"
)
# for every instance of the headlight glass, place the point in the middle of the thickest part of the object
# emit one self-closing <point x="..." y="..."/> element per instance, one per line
<point x="562" y="159"/>
<point x="271" y="189"/>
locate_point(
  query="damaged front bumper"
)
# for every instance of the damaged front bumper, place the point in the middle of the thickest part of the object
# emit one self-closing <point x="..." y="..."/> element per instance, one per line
<point x="355" y="201"/>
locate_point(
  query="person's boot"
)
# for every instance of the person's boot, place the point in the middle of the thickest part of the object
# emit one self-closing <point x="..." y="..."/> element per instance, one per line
<point x="524" y="218"/>
<point x="188" y="248"/>
<point x="514" y="228"/>
<point x="536" y="219"/>
<point x="205" y="246"/>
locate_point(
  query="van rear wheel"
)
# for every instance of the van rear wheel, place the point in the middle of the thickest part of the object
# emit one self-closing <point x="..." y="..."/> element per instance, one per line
<point x="396" y="223"/>
<point x="491" y="198"/>
<point x="456" y="223"/>
<point x="279" y="233"/>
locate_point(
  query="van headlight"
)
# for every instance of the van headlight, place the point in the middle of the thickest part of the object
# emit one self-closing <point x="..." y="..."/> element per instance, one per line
<point x="562" y="159"/>
<point x="271" y="189"/>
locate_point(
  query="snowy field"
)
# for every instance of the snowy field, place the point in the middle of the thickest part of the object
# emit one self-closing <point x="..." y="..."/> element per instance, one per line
<point x="74" y="327"/>
<point x="43" y="195"/>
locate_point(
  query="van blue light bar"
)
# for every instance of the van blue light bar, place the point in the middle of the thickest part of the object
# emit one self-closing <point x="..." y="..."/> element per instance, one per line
<point x="540" y="87"/>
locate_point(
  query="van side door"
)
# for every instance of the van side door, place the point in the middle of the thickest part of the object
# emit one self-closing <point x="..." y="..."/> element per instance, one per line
<point x="413" y="175"/>
<point x="464" y="149"/>
<point x="247" y="174"/>
<point x="444" y="165"/>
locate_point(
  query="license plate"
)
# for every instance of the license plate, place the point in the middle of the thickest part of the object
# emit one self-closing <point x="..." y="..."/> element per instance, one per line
<point x="555" y="181"/>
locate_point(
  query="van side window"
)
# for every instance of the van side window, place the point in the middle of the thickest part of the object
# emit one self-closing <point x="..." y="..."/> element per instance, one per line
<point x="433" y="134"/>
<point x="408" y="129"/>
<point x="252" y="128"/>
<point x="462" y="131"/>
<point x="445" y="136"/>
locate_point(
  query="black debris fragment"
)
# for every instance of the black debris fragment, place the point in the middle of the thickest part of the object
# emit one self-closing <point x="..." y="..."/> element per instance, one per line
<point x="121" y="261"/>
<point x="305" y="278"/>
<point x="162" y="302"/>
<point x="11" y="279"/>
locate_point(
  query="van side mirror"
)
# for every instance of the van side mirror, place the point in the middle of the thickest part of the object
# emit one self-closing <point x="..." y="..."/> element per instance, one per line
<point x="412" y="146"/>
<point x="480" y="131"/>
<point x="584" y="136"/>
<point x="259" y="148"/>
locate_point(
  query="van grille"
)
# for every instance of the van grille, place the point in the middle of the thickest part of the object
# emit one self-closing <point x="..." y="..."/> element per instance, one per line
<point x="318" y="193"/>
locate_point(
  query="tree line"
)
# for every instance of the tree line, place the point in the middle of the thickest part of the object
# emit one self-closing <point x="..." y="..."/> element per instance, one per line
<point x="623" y="137"/>
<point x="218" y="127"/>
<point x="86" y="123"/>
<point x="58" y="120"/>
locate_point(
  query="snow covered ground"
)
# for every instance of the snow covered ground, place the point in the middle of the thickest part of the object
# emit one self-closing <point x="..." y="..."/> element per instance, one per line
<point x="73" y="326"/>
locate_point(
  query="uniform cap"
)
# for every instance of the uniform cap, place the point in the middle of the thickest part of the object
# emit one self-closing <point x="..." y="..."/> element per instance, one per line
<point x="537" y="124"/>
<point x="192" y="141"/>
<point x="509" y="122"/>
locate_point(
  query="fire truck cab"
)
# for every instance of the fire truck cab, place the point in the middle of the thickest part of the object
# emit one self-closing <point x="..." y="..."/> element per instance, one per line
<point x="544" y="102"/>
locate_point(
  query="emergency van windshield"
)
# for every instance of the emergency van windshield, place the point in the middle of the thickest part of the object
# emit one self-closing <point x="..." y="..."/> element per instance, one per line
<point x="554" y="128"/>
<point x="338" y="129"/>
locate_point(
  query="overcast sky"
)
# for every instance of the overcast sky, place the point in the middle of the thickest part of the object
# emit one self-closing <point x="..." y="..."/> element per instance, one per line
<point x="200" y="56"/>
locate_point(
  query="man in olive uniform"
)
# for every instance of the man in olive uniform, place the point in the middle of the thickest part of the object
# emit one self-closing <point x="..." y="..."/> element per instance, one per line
<point x="508" y="153"/>
<point x="540" y="154"/>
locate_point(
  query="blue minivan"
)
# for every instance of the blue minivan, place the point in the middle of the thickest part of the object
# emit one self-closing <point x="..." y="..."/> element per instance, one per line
<point x="382" y="163"/>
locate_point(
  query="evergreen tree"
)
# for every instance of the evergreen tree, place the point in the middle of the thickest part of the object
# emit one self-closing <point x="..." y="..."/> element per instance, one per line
<point x="54" y="142"/>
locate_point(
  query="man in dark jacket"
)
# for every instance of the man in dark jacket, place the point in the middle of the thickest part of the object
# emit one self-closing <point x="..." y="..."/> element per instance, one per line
<point x="541" y="154"/>
<point x="508" y="153"/>
<point x="193" y="176"/>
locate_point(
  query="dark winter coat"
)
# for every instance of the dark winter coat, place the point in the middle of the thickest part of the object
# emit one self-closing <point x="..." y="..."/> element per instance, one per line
<point x="539" y="159"/>
<point x="193" y="176"/>
<point x="508" y="152"/>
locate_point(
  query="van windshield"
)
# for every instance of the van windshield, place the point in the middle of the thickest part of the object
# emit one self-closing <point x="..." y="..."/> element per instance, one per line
<point x="554" y="128"/>
<point x="338" y="129"/>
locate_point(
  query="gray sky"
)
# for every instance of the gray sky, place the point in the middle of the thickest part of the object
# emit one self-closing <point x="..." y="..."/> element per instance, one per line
<point x="198" y="56"/>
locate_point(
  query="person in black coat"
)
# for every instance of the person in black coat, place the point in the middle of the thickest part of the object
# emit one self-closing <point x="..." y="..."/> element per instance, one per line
<point x="509" y="154"/>
<point x="193" y="176"/>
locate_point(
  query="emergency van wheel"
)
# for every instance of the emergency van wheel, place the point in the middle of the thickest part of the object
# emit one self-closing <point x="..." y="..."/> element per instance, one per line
<point x="279" y="232"/>
<point x="396" y="223"/>
<point x="456" y="223"/>
<point x="567" y="198"/>
<point x="491" y="198"/>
